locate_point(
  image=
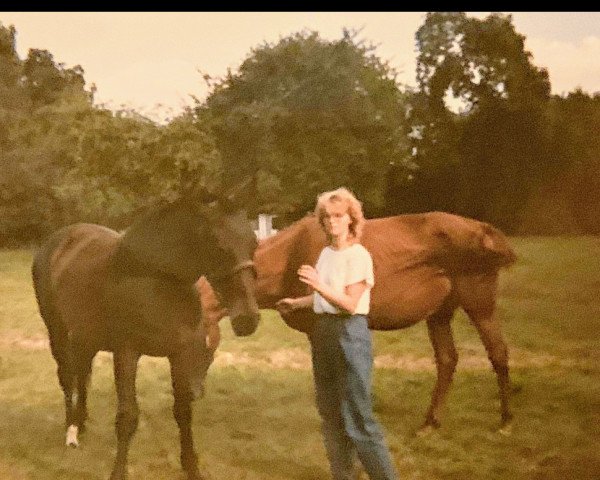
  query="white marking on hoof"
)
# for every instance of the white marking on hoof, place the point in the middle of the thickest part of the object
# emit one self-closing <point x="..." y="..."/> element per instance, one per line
<point x="425" y="431"/>
<point x="506" y="430"/>
<point x="72" y="432"/>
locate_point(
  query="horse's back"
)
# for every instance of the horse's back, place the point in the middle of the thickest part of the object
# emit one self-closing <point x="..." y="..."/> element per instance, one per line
<point x="452" y="241"/>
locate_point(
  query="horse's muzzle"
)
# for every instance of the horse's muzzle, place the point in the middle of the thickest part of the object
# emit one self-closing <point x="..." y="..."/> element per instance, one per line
<point x="244" y="325"/>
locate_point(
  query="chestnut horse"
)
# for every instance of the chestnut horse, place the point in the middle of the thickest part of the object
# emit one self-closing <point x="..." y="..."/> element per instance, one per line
<point x="426" y="266"/>
<point x="133" y="294"/>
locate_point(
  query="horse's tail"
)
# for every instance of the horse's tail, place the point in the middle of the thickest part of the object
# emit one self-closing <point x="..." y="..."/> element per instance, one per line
<point x="42" y="283"/>
<point x="467" y="245"/>
<point x="496" y="250"/>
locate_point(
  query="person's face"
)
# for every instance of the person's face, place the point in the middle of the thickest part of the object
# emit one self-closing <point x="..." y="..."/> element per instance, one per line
<point x="336" y="219"/>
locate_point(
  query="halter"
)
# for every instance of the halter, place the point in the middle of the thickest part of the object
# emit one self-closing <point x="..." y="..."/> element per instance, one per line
<point x="241" y="266"/>
<point x="238" y="268"/>
<point x="133" y="261"/>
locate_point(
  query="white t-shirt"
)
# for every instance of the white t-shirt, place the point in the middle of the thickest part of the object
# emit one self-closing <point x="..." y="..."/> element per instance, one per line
<point x="340" y="268"/>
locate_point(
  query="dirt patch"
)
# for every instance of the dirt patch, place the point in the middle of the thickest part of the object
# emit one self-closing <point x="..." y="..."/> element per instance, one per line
<point x="15" y="339"/>
<point x="468" y="360"/>
<point x="290" y="358"/>
<point x="11" y="472"/>
<point x="298" y="359"/>
<point x="469" y="357"/>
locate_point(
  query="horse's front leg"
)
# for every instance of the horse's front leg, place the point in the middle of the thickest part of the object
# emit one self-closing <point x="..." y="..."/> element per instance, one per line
<point x="184" y="393"/>
<point x="446" y="358"/>
<point x="125" y="367"/>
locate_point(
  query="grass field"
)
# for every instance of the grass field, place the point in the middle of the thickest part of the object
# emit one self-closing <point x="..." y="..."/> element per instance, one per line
<point x="258" y="419"/>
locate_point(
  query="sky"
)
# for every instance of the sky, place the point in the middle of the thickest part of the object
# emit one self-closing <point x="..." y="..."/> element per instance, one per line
<point x="153" y="61"/>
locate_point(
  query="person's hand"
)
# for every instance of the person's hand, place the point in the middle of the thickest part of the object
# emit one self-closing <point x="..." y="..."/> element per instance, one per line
<point x="285" y="305"/>
<point x="308" y="275"/>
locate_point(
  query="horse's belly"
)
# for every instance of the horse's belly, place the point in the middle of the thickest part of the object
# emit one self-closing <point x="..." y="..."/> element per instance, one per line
<point x="408" y="297"/>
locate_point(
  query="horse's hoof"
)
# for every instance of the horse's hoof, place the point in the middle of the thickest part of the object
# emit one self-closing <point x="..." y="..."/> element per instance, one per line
<point x="118" y="476"/>
<point x="195" y="476"/>
<point x="505" y="429"/>
<point x="71" y="438"/>
<point x="425" y="431"/>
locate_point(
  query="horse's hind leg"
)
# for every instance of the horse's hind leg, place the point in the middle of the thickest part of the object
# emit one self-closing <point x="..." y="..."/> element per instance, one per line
<point x="446" y="358"/>
<point x="61" y="351"/>
<point x="60" y="344"/>
<point x="488" y="327"/>
<point x="82" y="367"/>
<point x="477" y="296"/>
<point x="74" y="367"/>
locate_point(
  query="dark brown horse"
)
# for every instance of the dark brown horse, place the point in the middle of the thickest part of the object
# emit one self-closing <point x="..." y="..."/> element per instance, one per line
<point x="426" y="266"/>
<point x="133" y="294"/>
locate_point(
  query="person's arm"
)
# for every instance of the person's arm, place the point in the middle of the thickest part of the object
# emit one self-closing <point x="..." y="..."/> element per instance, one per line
<point x="348" y="300"/>
<point x="286" y="305"/>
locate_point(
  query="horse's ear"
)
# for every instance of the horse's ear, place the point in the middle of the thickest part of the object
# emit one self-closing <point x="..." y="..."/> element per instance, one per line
<point x="206" y="196"/>
<point x="240" y="195"/>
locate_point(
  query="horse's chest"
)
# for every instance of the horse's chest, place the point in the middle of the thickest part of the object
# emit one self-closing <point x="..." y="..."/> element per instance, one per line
<point x="155" y="315"/>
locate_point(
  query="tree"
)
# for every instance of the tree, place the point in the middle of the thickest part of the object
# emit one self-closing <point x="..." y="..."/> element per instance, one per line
<point x="306" y="115"/>
<point x="41" y="148"/>
<point x="495" y="149"/>
<point x="125" y="163"/>
<point x="64" y="160"/>
<point x="11" y="95"/>
<point x="45" y="81"/>
<point x="575" y="145"/>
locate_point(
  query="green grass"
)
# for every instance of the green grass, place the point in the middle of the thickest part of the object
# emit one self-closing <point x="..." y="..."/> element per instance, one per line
<point x="258" y="419"/>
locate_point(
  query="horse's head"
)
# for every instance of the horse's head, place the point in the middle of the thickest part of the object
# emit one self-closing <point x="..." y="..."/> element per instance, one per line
<point x="233" y="275"/>
<point x="199" y="235"/>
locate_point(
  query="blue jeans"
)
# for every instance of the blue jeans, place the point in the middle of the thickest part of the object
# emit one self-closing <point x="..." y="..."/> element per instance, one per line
<point x="342" y="363"/>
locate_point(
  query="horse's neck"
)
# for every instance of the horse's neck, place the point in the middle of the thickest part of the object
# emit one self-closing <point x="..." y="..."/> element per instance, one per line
<point x="278" y="258"/>
<point x="172" y="240"/>
<point x="124" y="263"/>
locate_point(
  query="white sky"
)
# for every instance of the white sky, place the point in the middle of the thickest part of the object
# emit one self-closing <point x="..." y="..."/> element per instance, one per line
<point x="150" y="60"/>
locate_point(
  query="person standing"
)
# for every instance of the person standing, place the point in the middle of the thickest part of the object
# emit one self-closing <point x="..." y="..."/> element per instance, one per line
<point x="341" y="343"/>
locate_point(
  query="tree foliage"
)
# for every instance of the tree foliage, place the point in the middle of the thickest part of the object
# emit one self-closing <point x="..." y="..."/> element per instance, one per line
<point x="575" y="149"/>
<point x="65" y="160"/>
<point x="480" y="135"/>
<point x="485" y="158"/>
<point x="305" y="115"/>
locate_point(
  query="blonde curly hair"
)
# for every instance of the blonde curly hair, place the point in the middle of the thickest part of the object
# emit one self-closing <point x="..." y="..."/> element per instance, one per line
<point x="354" y="206"/>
